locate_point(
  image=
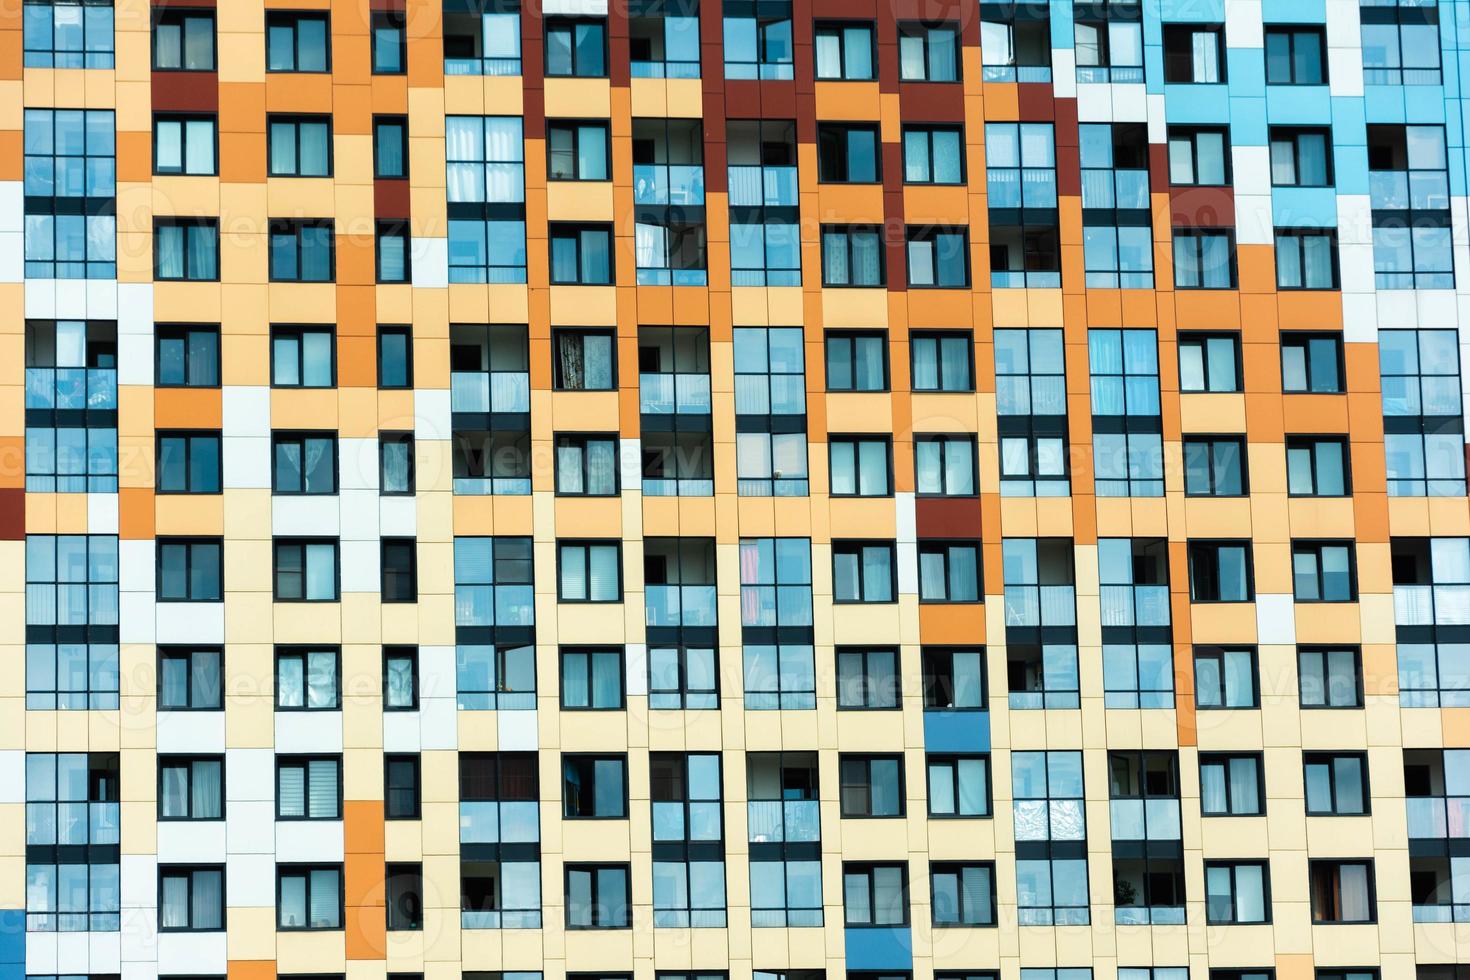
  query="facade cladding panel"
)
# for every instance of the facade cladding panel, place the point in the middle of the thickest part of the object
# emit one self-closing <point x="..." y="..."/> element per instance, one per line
<point x="762" y="489"/>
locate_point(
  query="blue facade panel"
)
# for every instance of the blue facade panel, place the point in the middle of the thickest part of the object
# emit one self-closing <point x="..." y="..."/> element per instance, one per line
<point x="879" y="948"/>
<point x="957" y="731"/>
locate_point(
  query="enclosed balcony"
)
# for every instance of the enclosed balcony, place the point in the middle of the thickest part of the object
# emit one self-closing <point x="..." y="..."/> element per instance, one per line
<point x="679" y="582"/>
<point x="762" y="160"/>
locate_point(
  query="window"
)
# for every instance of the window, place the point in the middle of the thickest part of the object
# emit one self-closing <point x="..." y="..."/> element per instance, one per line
<point x="71" y="621"/>
<point x="1220" y="571"/>
<point x="1237" y="892"/>
<point x="394" y="357"/>
<point x="70" y="194"/>
<point x="1342" y="891"/>
<point x="404" y="885"/>
<point x="1337" y="783"/>
<point x="304" y="462"/>
<point x="486" y="178"/>
<point x="938" y="257"/>
<point x="401" y="787"/>
<point x="72" y="840"/>
<point x="875" y="895"/>
<point x="1329" y="678"/>
<point x="845" y="52"/>
<point x="688" y="840"/>
<point x="1051" y="838"/>
<point x="785" y="839"/>
<point x="70" y="406"/>
<point x="1306" y="258"/>
<point x="934" y="155"/>
<point x="308" y="897"/>
<point x="1194" y="54"/>
<point x="301" y="250"/>
<point x="928" y="53"/>
<point x="1301" y="157"/>
<point x="1231" y="785"/>
<point x="576" y="47"/>
<point x="1108" y="38"/>
<point x="186" y="249"/>
<point x="1430" y="576"/>
<point x="190" y="570"/>
<point x="393" y="251"/>
<point x="594" y="786"/>
<point x="300" y="146"/>
<point x="954" y="680"/>
<point x="1148" y="852"/>
<point x="942" y="361"/>
<point x="587" y="465"/>
<point x="959" y="785"/>
<point x="1031" y="404"/>
<point x="1199" y="156"/>
<point x="389" y="42"/>
<point x="680" y="616"/>
<point x="1137" y="652"/>
<point x="395" y="463"/>
<point x="963" y="894"/>
<point x="191" y="787"/>
<point x="776" y="623"/>
<point x="682" y="677"/>
<point x="583" y="360"/>
<point x="483" y="40"/>
<point x="400" y="678"/>
<point x="581" y="255"/>
<point x="1041" y="623"/>
<point x="862" y="571"/>
<point x="857" y="361"/>
<point x="183" y="39"/>
<point x="1324" y="571"/>
<point x="577" y="150"/>
<point x="1128" y="449"/>
<point x="758" y="41"/>
<point x="1204" y="259"/>
<point x="184" y="145"/>
<point x="305" y="569"/>
<point x="598" y="896"/>
<point x="1408" y="190"/>
<point x="499" y="832"/>
<point x="303" y="357"/>
<point x="770" y="411"/>
<point x="308" y="679"/>
<point x="1311" y="363"/>
<point x="187" y="356"/>
<point x="847" y="153"/>
<point x="1225" y="678"/>
<point x="860" y="466"/>
<point x="673" y="374"/>
<point x="872" y="786"/>
<point x="190" y="679"/>
<point x="592" y="680"/>
<point x="188" y="462"/>
<point x="1296" y="55"/>
<point x="1422" y="407"/>
<point x="664" y="39"/>
<point x="68" y="34"/>
<point x="390" y="147"/>
<point x="493" y="616"/>
<point x="944" y="466"/>
<point x="949" y="571"/>
<point x="1209" y="362"/>
<point x="852" y="255"/>
<point x="589" y="572"/>
<point x="399" y="568"/>
<point x="1021" y="184"/>
<point x="764" y="233"/>
<point x="1015" y="43"/>
<point x="191" y="899"/>
<point x="296" y="42"/>
<point x="308" y="787"/>
<point x="867" y="678"/>
<point x="1117" y="235"/>
<point x="1214" y="466"/>
<point x="1401" y="43"/>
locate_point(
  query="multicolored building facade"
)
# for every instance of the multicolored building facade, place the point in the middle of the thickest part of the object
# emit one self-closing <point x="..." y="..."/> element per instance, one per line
<point x="761" y="489"/>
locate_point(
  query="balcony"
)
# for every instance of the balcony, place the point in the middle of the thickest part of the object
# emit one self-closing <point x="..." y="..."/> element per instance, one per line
<point x="679" y="605"/>
<point x="784" y="821"/>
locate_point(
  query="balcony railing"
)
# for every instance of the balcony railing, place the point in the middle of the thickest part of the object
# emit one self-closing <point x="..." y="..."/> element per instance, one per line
<point x="71" y="388"/>
<point x="490" y="391"/>
<point x="679" y="184"/>
<point x="777" y="821"/>
<point x="756" y="186"/>
<point x="670" y="394"/>
<point x="679" y="605"/>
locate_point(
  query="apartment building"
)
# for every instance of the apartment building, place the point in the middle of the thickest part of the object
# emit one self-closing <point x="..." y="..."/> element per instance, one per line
<point x="734" y="490"/>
